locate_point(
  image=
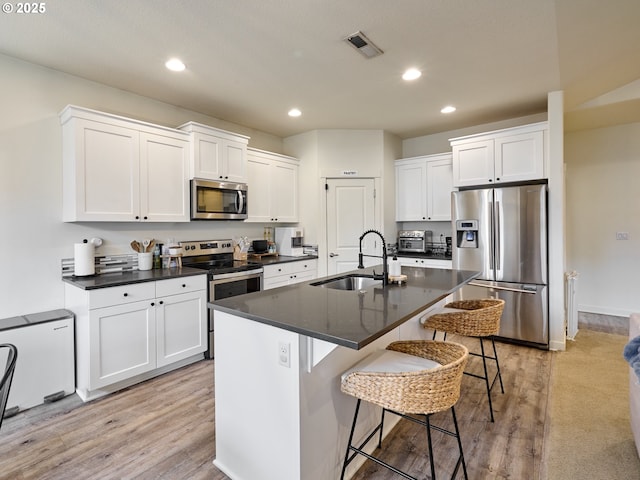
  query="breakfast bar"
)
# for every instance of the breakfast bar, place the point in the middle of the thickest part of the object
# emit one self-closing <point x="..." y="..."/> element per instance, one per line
<point x="279" y="356"/>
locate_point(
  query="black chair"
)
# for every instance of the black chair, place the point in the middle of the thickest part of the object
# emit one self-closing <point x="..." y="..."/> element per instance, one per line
<point x="5" y="383"/>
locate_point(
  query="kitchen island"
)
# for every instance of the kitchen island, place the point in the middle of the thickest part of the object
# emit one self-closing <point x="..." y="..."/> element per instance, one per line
<point x="279" y="357"/>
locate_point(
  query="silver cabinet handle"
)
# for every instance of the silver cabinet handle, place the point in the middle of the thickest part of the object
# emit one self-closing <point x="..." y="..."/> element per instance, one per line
<point x="334" y="255"/>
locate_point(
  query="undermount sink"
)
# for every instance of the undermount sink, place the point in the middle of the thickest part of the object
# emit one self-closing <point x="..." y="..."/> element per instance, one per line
<point x="349" y="282"/>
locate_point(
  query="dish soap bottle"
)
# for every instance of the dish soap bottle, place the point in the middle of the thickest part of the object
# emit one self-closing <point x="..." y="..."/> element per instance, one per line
<point x="395" y="269"/>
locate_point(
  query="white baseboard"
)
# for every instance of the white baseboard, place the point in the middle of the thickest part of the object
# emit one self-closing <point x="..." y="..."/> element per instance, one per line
<point x="619" y="312"/>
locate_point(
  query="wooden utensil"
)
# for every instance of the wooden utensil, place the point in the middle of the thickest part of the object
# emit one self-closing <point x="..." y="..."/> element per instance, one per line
<point x="136" y="246"/>
<point x="152" y="244"/>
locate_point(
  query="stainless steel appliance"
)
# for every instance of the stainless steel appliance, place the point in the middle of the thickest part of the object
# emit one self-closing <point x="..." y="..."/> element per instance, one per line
<point x="213" y="200"/>
<point x="290" y="241"/>
<point x="227" y="277"/>
<point x="502" y="232"/>
<point x="414" y="241"/>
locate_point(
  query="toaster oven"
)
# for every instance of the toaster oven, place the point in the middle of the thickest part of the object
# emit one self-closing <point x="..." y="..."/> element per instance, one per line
<point x="413" y="241"/>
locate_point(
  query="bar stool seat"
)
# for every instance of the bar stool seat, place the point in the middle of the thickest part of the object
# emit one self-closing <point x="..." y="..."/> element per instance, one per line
<point x="412" y="379"/>
<point x="478" y="318"/>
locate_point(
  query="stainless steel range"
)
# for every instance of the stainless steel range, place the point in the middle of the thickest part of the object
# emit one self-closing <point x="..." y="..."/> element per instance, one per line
<point x="227" y="277"/>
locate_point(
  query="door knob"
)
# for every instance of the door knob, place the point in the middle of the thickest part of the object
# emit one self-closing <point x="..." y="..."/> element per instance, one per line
<point x="334" y="254"/>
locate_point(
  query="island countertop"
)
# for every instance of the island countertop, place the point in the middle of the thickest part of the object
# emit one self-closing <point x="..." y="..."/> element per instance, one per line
<point x="352" y="319"/>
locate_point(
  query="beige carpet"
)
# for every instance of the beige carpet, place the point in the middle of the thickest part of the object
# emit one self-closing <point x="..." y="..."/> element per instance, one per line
<point x="588" y="430"/>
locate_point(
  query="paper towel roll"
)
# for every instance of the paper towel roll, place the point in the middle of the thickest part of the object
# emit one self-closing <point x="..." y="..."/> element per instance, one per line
<point x="83" y="258"/>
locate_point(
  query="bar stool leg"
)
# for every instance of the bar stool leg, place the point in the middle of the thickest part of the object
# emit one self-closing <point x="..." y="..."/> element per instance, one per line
<point x="353" y="428"/>
<point x="495" y="355"/>
<point x="433" y="468"/>
<point x="461" y="459"/>
<point x="486" y="377"/>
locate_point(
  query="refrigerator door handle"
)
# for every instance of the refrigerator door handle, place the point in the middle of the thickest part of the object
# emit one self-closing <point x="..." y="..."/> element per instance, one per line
<point x="509" y="289"/>
<point x="498" y="234"/>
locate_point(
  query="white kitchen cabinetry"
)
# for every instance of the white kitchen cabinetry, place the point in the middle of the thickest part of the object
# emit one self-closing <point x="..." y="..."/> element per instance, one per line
<point x="117" y="169"/>
<point x="425" y="262"/>
<point x="289" y="273"/>
<point x="423" y="188"/>
<point x="503" y="156"/>
<point x="130" y="333"/>
<point x="273" y="187"/>
<point x="217" y="154"/>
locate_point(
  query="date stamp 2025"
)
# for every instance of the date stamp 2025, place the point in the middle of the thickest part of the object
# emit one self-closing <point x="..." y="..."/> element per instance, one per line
<point x="27" y="8"/>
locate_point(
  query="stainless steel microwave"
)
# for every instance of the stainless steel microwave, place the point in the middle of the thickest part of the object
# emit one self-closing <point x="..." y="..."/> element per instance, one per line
<point x="212" y="200"/>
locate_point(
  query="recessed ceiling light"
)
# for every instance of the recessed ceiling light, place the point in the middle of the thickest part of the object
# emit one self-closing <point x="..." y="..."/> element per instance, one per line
<point x="411" y="74"/>
<point x="175" y="65"/>
<point x="294" y="112"/>
<point x="448" y="109"/>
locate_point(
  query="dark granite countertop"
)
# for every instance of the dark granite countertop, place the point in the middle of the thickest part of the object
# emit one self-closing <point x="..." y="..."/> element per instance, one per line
<point x="274" y="259"/>
<point x="348" y="318"/>
<point x="125" y="278"/>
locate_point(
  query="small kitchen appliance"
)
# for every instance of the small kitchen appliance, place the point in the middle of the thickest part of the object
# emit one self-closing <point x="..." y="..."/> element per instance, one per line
<point x="213" y="200"/>
<point x="290" y="241"/>
<point x="414" y="240"/>
<point x="227" y="277"/>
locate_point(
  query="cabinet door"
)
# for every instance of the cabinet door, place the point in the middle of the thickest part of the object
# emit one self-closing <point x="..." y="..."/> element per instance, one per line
<point x="122" y="342"/>
<point x="259" y="184"/>
<point x="411" y="199"/>
<point x="207" y="155"/>
<point x="439" y="187"/>
<point x="164" y="192"/>
<point x="284" y="192"/>
<point x="519" y="157"/>
<point x="473" y="163"/>
<point x="101" y="171"/>
<point x="181" y="322"/>
<point x="235" y="161"/>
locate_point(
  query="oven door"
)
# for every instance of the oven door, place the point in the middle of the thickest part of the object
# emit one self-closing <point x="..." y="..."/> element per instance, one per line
<point x="231" y="285"/>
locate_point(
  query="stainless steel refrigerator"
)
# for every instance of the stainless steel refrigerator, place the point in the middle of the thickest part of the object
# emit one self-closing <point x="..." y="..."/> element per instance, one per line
<point x="502" y="232"/>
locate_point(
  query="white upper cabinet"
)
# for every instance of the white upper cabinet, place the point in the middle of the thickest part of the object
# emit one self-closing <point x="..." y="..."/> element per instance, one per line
<point x="217" y="154"/>
<point x="509" y="155"/>
<point x="272" y="187"/>
<point x="423" y="188"/>
<point x="121" y="170"/>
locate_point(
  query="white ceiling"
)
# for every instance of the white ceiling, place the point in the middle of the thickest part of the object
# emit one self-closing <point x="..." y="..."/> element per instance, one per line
<point x="250" y="61"/>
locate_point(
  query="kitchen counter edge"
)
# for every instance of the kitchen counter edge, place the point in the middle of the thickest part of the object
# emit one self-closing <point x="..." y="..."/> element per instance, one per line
<point x="115" y="279"/>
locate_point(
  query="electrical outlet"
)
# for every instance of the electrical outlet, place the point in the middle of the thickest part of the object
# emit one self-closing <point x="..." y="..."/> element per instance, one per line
<point x="284" y="355"/>
<point x="622" y="236"/>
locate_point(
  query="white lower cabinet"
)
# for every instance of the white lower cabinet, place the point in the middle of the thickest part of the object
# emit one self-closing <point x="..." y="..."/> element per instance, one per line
<point x="425" y="262"/>
<point x="180" y="327"/>
<point x="289" y="273"/>
<point x="122" y="343"/>
<point x="130" y="333"/>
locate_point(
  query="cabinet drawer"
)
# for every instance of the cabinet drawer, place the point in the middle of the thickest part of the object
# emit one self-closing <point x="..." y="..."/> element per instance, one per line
<point x="106" y="297"/>
<point x="174" y="286"/>
<point x="290" y="267"/>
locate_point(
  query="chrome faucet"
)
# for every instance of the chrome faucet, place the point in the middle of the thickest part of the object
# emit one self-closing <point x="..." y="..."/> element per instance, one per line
<point x="385" y="269"/>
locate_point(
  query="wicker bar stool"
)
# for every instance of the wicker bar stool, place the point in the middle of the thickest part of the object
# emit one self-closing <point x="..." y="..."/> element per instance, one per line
<point x="478" y="318"/>
<point x="412" y="379"/>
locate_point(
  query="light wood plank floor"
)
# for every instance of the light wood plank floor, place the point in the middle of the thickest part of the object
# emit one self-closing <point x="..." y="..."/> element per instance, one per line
<point x="164" y="428"/>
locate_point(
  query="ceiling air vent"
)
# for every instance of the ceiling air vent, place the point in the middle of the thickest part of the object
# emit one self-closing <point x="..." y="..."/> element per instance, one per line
<point x="363" y="45"/>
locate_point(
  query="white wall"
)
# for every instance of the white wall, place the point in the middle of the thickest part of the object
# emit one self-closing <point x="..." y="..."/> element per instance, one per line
<point x="439" y="142"/>
<point x="329" y="154"/>
<point x="603" y="197"/>
<point x="33" y="239"/>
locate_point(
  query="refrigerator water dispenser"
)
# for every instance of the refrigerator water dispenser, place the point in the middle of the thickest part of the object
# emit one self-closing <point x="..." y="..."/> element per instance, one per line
<point x="467" y="233"/>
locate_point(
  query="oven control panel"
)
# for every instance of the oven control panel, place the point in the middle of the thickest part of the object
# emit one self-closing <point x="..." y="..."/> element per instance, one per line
<point x="206" y="247"/>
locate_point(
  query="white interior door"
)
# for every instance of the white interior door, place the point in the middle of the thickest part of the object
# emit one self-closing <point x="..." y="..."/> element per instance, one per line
<point x="350" y="212"/>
